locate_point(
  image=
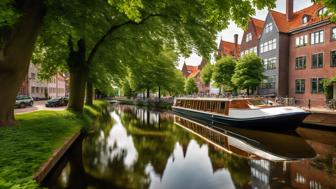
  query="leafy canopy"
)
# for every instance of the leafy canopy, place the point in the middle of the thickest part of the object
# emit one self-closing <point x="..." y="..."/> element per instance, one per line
<point x="206" y="74"/>
<point x="190" y="86"/>
<point x="223" y="71"/>
<point x="248" y="73"/>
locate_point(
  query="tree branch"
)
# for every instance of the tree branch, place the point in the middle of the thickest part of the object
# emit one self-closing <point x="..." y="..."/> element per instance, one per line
<point x="110" y="31"/>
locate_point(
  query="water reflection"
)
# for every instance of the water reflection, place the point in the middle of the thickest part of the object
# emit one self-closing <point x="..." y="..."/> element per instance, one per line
<point x="144" y="149"/>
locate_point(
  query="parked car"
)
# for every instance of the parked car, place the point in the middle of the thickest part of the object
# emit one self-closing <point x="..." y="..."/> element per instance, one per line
<point x="23" y="101"/>
<point x="58" y="101"/>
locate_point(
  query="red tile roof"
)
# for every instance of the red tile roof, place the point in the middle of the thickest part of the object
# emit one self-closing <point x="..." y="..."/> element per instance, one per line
<point x="227" y="48"/>
<point x="192" y="68"/>
<point x="283" y="25"/>
<point x="193" y="74"/>
<point x="259" y="26"/>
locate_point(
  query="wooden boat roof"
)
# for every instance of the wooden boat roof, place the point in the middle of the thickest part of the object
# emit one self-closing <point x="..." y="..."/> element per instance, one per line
<point x="213" y="99"/>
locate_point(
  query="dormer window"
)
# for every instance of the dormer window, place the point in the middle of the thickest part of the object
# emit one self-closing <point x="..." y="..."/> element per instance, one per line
<point x="322" y="11"/>
<point x="305" y="19"/>
<point x="249" y="37"/>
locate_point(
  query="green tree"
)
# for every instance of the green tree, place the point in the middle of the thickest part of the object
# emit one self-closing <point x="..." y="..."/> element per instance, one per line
<point x="248" y="72"/>
<point x="93" y="24"/>
<point x="222" y="73"/>
<point x="206" y="74"/>
<point x="190" y="86"/>
<point x="331" y="8"/>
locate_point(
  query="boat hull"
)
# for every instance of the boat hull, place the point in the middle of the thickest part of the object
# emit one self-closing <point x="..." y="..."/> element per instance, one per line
<point x="288" y="121"/>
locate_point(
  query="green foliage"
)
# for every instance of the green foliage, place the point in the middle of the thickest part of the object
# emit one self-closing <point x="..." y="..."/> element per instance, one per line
<point x="8" y="15"/>
<point x="248" y="72"/>
<point x="223" y="71"/>
<point x="328" y="87"/>
<point x="331" y="5"/>
<point x="127" y="89"/>
<point x="190" y="86"/>
<point x="177" y="23"/>
<point x="32" y="141"/>
<point x="157" y="71"/>
<point x="206" y="74"/>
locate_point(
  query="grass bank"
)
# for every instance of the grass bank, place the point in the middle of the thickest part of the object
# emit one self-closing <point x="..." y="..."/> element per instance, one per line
<point x="27" y="145"/>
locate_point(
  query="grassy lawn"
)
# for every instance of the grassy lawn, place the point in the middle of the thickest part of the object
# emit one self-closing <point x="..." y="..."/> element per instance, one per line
<point x="26" y="146"/>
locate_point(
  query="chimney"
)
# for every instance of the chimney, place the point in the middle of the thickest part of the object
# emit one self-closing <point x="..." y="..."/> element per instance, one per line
<point x="289" y="9"/>
<point x="236" y="45"/>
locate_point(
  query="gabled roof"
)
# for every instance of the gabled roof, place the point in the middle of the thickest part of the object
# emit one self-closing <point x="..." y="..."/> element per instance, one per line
<point x="192" y="68"/>
<point x="280" y="20"/>
<point x="258" y="25"/>
<point x="283" y="25"/>
<point x="193" y="74"/>
<point x="310" y="11"/>
<point x="227" y="48"/>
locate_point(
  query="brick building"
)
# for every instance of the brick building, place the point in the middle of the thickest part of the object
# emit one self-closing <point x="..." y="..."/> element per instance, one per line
<point x="227" y="48"/>
<point x="195" y="72"/>
<point x="250" y="39"/>
<point x="312" y="55"/>
<point x="32" y="86"/>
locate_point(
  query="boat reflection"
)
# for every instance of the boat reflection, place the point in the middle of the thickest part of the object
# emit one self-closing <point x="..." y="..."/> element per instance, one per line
<point x="248" y="143"/>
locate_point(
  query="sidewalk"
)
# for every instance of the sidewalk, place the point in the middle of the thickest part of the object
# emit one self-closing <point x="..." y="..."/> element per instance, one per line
<point x="38" y="105"/>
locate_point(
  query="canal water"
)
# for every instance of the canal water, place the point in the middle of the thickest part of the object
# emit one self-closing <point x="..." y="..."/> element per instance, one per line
<point x="141" y="148"/>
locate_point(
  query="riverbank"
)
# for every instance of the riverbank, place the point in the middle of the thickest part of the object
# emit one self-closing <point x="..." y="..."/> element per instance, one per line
<point x="36" y="136"/>
<point x="163" y="104"/>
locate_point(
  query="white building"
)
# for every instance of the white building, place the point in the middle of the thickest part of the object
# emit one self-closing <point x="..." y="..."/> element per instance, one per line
<point x="55" y="87"/>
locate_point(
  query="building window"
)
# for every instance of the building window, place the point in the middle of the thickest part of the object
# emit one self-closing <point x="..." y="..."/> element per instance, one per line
<point x="317" y="37"/>
<point x="269" y="83"/>
<point x="333" y="33"/>
<point x="333" y="59"/>
<point x="317" y="60"/>
<point x="305" y="19"/>
<point x="301" y="41"/>
<point x="251" y="50"/>
<point x="316" y="85"/>
<point x="300" y="63"/>
<point x="268" y="27"/>
<point x="322" y="11"/>
<point x="249" y="37"/>
<point x="299" y="86"/>
<point x="270" y="63"/>
<point x="32" y="76"/>
<point x="268" y="46"/>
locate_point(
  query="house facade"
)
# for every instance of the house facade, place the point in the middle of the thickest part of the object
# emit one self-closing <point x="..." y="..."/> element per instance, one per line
<point x="227" y="48"/>
<point x="194" y="72"/>
<point x="312" y="55"/>
<point x="32" y="86"/>
<point x="250" y="39"/>
<point x="273" y="49"/>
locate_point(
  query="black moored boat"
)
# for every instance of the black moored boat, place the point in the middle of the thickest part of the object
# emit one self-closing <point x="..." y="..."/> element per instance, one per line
<point x="246" y="113"/>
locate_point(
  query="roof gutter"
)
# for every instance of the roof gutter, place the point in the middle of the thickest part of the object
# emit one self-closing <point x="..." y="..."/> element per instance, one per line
<point x="306" y="28"/>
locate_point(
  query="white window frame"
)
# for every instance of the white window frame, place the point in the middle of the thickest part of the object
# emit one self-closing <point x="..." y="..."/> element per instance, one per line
<point x="249" y="37"/>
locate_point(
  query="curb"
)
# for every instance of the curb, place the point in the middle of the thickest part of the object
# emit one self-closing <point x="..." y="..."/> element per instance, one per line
<point x="43" y="171"/>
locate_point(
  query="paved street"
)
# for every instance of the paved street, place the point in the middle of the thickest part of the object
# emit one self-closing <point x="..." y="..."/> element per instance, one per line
<point x="38" y="105"/>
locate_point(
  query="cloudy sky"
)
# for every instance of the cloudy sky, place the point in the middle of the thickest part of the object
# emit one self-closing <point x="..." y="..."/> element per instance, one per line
<point x="227" y="34"/>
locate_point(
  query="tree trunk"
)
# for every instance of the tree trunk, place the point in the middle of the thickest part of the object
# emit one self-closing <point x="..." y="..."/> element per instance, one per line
<point x="159" y="93"/>
<point x="15" y="55"/>
<point x="248" y="91"/>
<point x="89" y="93"/>
<point x="147" y="92"/>
<point x="78" y="76"/>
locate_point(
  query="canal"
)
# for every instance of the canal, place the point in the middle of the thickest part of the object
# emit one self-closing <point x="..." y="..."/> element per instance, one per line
<point x="143" y="148"/>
